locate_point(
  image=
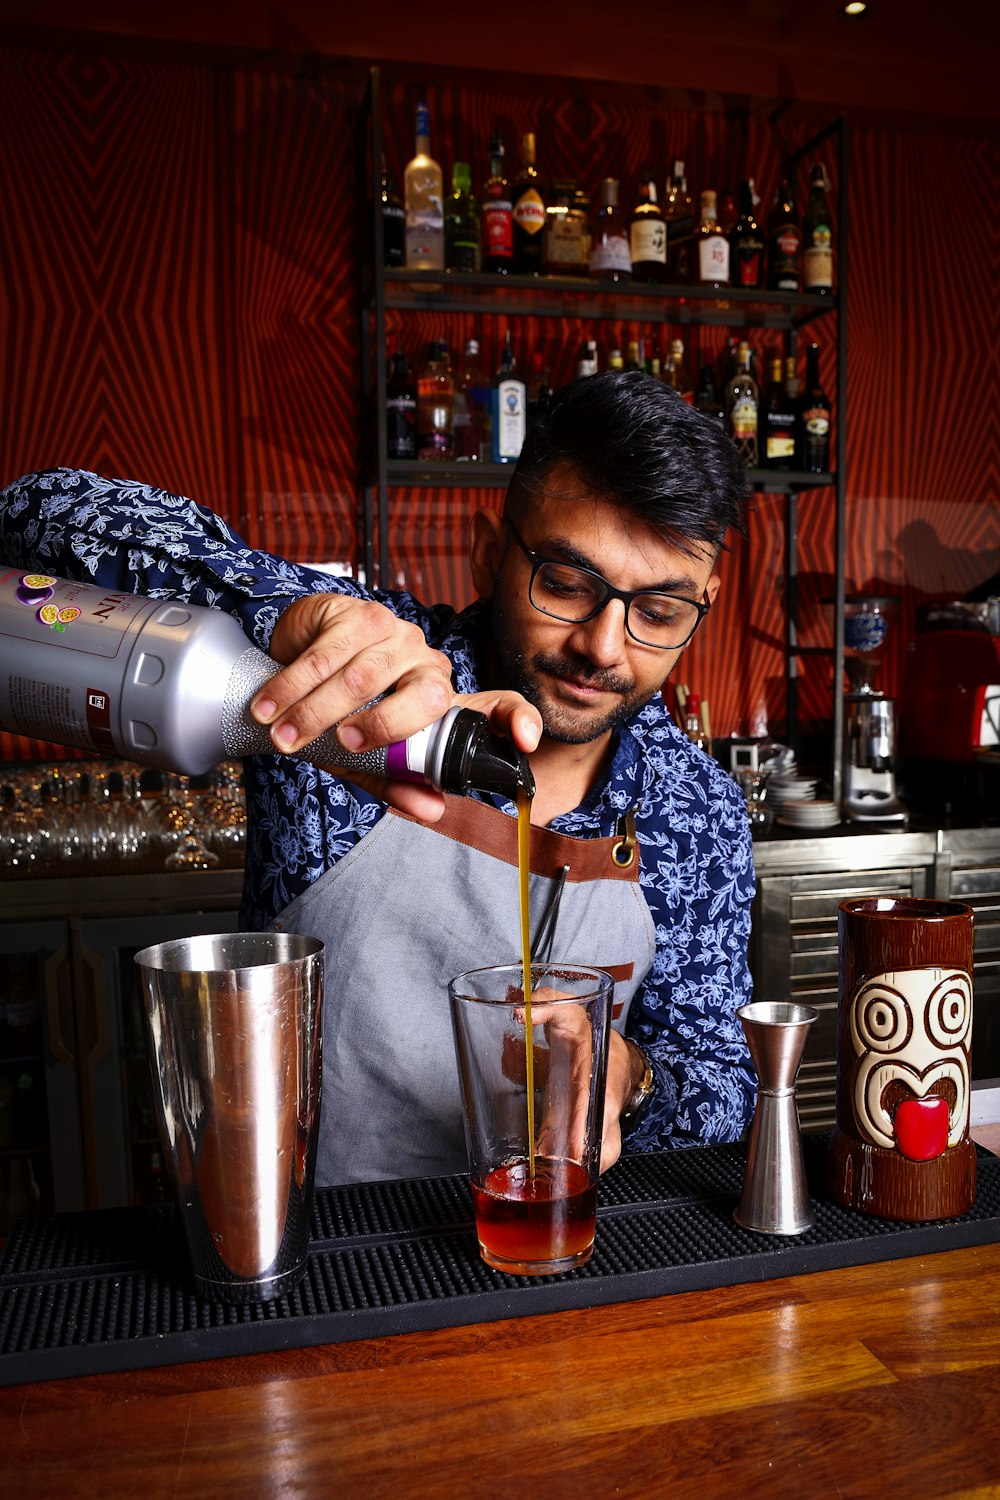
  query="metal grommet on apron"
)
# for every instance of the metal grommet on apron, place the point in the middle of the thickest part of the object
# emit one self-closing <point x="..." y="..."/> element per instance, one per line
<point x="408" y="908"/>
<point x="623" y="852"/>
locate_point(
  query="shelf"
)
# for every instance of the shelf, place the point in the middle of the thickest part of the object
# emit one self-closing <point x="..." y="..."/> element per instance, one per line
<point x="576" y="297"/>
<point x="467" y="475"/>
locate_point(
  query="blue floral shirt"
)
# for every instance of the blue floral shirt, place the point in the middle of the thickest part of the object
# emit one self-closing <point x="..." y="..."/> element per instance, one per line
<point x="697" y="866"/>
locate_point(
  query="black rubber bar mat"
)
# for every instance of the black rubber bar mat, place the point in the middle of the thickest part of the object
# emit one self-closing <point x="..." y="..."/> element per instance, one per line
<point x="88" y="1293"/>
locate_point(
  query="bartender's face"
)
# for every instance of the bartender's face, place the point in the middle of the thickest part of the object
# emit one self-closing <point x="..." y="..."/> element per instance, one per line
<point x="583" y="677"/>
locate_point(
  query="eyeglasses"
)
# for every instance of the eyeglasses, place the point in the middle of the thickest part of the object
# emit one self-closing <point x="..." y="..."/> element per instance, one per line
<point x="567" y="592"/>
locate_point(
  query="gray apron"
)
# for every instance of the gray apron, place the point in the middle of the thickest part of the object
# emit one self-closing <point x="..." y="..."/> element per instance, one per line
<point x="411" y="906"/>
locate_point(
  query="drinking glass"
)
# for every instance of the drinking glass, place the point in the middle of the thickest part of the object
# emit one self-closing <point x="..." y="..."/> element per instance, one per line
<point x="533" y="1082"/>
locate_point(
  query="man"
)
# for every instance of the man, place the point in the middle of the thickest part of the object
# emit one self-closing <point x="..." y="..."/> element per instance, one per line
<point x="591" y="583"/>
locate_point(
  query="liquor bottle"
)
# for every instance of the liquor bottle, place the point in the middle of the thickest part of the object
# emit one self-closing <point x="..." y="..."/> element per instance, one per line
<point x="616" y="360"/>
<point x="742" y="405"/>
<point x="746" y="243"/>
<point x="814" y="419"/>
<point x="401" y="409"/>
<point x="793" y="384"/>
<point x="510" y="401"/>
<point x="528" y="210"/>
<point x="423" y="196"/>
<point x="498" y="221"/>
<point x="693" y="727"/>
<point x="566" y="237"/>
<point x="817" y="237"/>
<point x="706" y="397"/>
<point x="784" y="242"/>
<point x="648" y="235"/>
<point x="393" y="223"/>
<point x="778" y="421"/>
<point x="464" y="428"/>
<point x="678" y="215"/>
<point x="676" y="373"/>
<point x="538" y="389"/>
<point x="634" y="359"/>
<point x="435" y="402"/>
<point x="461" y="223"/>
<point x="193" y="709"/>
<point x="474" y="440"/>
<point x="727" y="214"/>
<point x="586" y="360"/>
<point x="713" y="247"/>
<point x="610" y="258"/>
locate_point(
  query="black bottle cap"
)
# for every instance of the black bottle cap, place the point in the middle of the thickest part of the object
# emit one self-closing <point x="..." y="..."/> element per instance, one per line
<point x="476" y="759"/>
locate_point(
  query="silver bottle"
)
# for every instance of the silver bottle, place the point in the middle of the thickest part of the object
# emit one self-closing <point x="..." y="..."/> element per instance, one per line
<point x="169" y="684"/>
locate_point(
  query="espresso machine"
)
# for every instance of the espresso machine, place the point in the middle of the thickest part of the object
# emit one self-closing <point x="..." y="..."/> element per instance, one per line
<point x="869" y="747"/>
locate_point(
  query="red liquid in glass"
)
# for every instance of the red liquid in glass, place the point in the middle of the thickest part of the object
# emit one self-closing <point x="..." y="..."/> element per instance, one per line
<point x="549" y="1218"/>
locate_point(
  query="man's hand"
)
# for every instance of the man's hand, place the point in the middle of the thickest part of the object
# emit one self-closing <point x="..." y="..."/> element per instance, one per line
<point x="341" y="653"/>
<point x="626" y="1067"/>
<point x="569" y="1061"/>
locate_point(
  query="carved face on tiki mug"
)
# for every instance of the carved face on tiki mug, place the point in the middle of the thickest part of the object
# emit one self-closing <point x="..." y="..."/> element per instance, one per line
<point x="910" y="1033"/>
<point x="901" y="1149"/>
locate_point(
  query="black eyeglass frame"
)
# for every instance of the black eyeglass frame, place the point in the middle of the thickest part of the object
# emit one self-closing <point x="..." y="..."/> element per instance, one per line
<point x="537" y="561"/>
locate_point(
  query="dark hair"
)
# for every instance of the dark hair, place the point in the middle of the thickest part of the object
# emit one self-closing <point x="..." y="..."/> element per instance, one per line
<point x="634" y="442"/>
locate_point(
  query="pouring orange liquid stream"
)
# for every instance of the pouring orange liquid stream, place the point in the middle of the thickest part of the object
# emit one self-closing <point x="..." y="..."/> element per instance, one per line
<point x="523" y="871"/>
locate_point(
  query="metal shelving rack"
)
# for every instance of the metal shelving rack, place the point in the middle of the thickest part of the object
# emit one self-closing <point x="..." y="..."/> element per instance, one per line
<point x="557" y="297"/>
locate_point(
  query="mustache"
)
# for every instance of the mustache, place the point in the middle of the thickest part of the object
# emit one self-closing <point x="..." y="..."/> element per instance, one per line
<point x="582" y="670"/>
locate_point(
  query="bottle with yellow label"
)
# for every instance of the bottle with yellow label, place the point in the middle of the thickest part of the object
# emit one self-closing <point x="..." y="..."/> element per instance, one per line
<point x="529" y="213"/>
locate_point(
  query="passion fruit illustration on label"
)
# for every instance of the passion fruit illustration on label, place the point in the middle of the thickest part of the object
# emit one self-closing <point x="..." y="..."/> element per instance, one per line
<point x="34" y="589"/>
<point x="57" y="619"/>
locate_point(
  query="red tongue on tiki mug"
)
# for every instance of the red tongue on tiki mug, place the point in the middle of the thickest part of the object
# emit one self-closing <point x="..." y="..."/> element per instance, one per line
<point x="921" y="1127"/>
<point x="904" y="1024"/>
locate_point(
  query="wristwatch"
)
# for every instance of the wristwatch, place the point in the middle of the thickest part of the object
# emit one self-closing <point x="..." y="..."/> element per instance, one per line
<point x="637" y="1102"/>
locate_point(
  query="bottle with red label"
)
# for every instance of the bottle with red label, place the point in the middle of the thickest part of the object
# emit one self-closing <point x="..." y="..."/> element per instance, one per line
<point x="497" y="215"/>
<point x="746" y="242"/>
<point x="784" y="242"/>
<point x="528" y="213"/>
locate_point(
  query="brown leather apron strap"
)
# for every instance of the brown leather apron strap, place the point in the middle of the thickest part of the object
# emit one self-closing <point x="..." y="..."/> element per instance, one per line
<point x="477" y="825"/>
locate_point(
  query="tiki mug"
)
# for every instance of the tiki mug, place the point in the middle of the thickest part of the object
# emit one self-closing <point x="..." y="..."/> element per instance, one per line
<point x="901" y="1147"/>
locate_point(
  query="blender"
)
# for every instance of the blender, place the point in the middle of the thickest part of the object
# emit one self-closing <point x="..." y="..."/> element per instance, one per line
<point x="869" y="748"/>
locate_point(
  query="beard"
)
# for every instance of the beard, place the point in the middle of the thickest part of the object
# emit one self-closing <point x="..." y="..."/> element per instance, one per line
<point x="562" y="721"/>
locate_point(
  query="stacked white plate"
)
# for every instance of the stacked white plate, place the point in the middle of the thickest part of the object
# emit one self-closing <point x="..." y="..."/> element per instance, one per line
<point x="810" y="813"/>
<point x="788" y="786"/>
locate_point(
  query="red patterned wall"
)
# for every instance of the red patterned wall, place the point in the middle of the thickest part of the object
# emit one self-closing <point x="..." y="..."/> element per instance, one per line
<point x="178" y="300"/>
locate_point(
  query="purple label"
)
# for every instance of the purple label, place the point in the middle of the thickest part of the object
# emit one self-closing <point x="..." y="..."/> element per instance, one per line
<point x="397" y="766"/>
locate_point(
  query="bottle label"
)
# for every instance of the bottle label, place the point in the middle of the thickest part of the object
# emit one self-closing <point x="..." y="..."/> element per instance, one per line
<point x="401" y="422"/>
<point x="817" y="263"/>
<point x="565" y="243"/>
<point x="648" y="240"/>
<point x="713" y="258"/>
<point x="743" y="419"/>
<point x="611" y="254"/>
<point x="509" y="420"/>
<point x="529" y="212"/>
<point x="816" y="420"/>
<point x="780" y="445"/>
<point x="498" y="229"/>
<point x="749" y="265"/>
<point x="425" y="240"/>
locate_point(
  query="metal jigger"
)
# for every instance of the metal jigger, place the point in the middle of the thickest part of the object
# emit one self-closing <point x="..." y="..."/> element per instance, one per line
<point x="775" y="1198"/>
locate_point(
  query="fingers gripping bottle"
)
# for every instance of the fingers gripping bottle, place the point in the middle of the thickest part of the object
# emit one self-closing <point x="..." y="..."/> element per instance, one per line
<point x="170" y="684"/>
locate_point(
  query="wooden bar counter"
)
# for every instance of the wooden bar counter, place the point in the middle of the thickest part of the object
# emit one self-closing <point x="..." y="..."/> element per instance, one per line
<point x="867" y="1381"/>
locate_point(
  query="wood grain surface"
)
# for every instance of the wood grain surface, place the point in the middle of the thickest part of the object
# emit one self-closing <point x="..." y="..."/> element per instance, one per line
<point x="860" y="1382"/>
